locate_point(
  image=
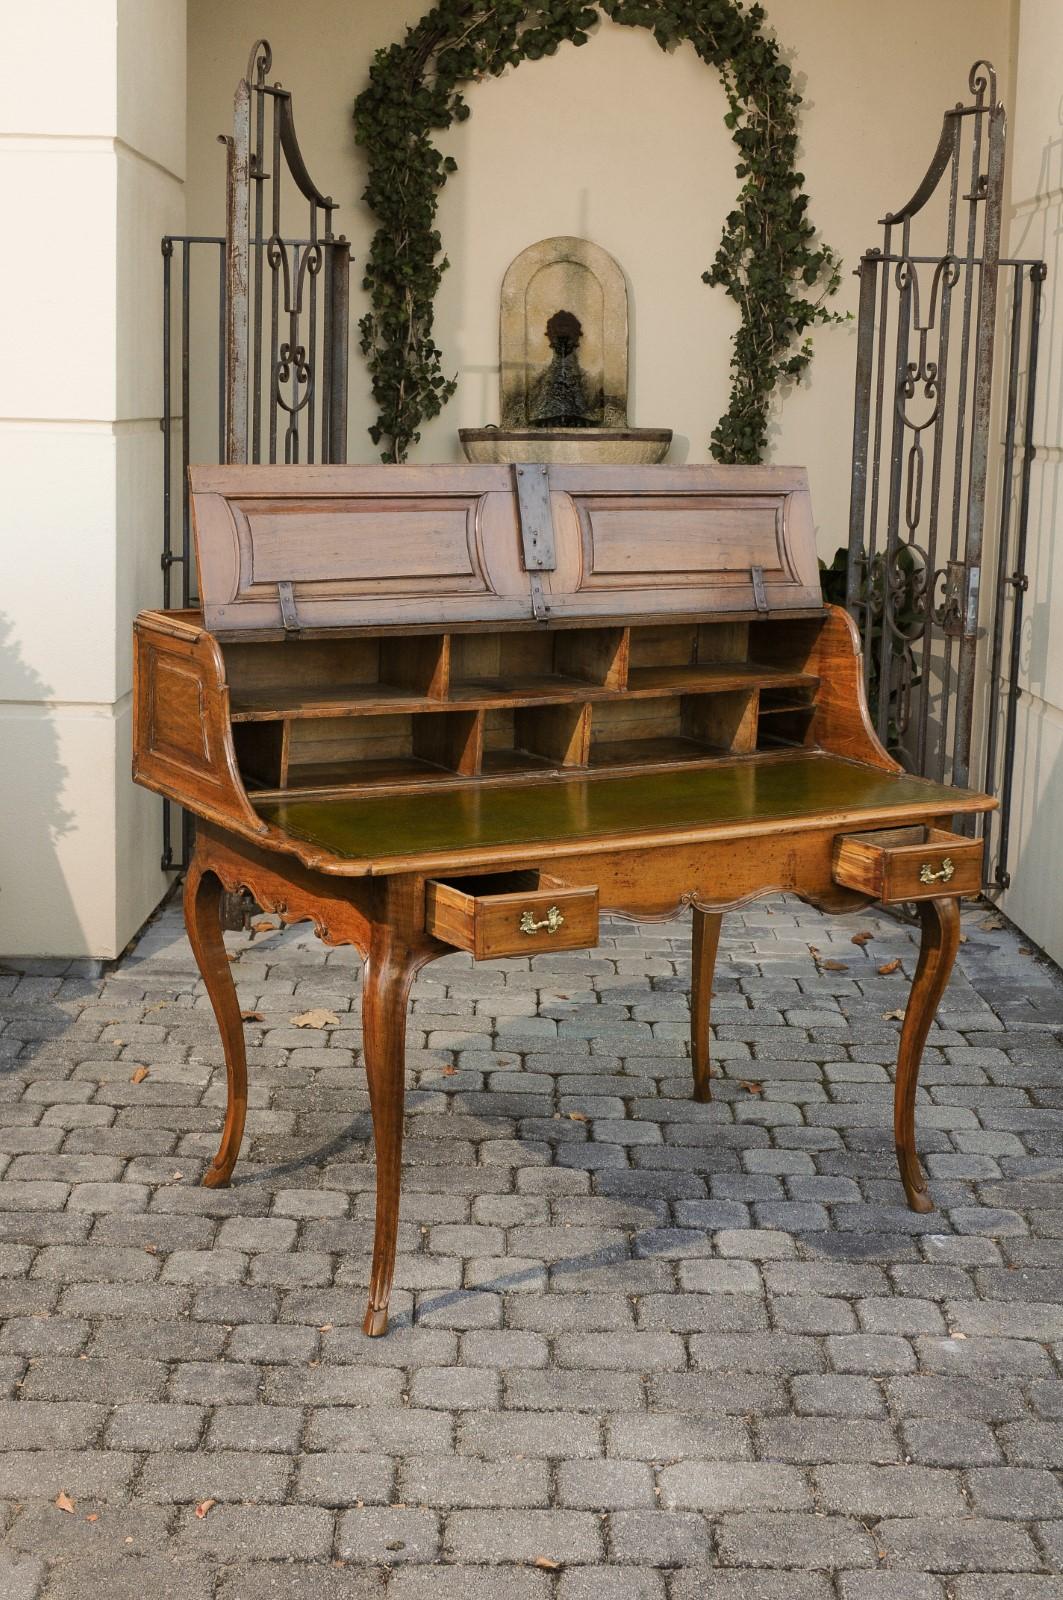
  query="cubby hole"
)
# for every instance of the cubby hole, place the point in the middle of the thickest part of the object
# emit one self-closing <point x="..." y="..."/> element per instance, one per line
<point x="785" y="645"/>
<point x="315" y="677"/>
<point x="785" y="717"/>
<point x="261" y="752"/>
<point x="347" y="752"/>
<point x="534" y="738"/>
<point x="673" y="728"/>
<point x="688" y="656"/>
<point x="520" y="665"/>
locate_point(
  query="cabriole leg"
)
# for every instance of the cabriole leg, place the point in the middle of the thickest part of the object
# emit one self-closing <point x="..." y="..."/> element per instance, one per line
<point x="706" y="942"/>
<point x="203" y="907"/>
<point x="940" y="920"/>
<point x="389" y="972"/>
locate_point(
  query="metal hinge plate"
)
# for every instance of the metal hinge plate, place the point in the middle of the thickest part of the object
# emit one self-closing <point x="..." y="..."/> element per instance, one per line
<point x="289" y="615"/>
<point x="536" y="528"/>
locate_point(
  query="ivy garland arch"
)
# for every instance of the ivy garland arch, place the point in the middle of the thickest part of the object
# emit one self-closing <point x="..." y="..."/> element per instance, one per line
<point x="768" y="259"/>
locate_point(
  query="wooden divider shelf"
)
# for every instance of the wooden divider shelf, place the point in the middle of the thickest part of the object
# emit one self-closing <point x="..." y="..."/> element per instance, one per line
<point x="503" y="704"/>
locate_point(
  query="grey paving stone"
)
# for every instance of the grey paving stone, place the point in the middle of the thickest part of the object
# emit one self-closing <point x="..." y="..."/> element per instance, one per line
<point x="719" y="1486"/>
<point x="21" y="1577"/>
<point x="268" y="1580"/>
<point x="973" y="1544"/>
<point x="388" y="1535"/>
<point x="783" y="1539"/>
<point x="276" y="1532"/>
<point x="659" y="1539"/>
<point x="461" y="1582"/>
<point x="121" y="1576"/>
<point x="563" y="1536"/>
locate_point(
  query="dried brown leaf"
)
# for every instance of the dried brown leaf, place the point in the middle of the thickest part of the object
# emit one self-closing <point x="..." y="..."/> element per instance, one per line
<point x="893" y="1016"/>
<point x="252" y="1016"/>
<point x="63" y="1502"/>
<point x="863" y="938"/>
<point x="203" y="1507"/>
<point x="751" y="1088"/>
<point x="263" y="925"/>
<point x="547" y="1563"/>
<point x="315" y="1019"/>
<point x="991" y="923"/>
<point x="834" y="966"/>
<point x="139" y="1075"/>
<point x="889" y="966"/>
<point x="577" y="1116"/>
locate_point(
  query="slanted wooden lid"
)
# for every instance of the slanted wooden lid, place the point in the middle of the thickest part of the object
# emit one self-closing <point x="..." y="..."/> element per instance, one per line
<point x="305" y="550"/>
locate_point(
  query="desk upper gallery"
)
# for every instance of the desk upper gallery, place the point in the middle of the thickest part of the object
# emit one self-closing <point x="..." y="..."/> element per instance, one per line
<point x="472" y="707"/>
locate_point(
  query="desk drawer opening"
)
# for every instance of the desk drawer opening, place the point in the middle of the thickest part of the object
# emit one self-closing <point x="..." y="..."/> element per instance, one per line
<point x="512" y="913"/>
<point x="913" y="863"/>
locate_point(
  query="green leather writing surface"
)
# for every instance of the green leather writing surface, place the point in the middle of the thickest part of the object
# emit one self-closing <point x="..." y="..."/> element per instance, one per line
<point x="381" y="827"/>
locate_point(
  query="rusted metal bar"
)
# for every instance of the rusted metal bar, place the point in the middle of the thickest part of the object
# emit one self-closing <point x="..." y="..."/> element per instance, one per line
<point x="1007" y="487"/>
<point x="338" y="336"/>
<point x="979" y="463"/>
<point x="865" y="347"/>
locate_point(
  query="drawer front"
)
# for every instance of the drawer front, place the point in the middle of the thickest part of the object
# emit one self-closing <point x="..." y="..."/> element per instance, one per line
<point x="914" y="863"/>
<point x="512" y="914"/>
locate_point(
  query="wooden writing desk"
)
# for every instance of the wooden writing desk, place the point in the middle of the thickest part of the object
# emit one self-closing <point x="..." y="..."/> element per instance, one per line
<point x="471" y="707"/>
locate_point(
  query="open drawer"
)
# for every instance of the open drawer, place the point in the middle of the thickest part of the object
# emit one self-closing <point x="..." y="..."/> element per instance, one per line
<point x="914" y="863"/>
<point x="512" y="913"/>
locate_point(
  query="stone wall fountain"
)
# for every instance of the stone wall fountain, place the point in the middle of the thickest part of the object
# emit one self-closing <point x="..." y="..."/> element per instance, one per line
<point x="563" y="343"/>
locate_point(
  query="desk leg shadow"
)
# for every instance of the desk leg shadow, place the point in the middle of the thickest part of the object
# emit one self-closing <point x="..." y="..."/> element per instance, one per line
<point x="940" y="925"/>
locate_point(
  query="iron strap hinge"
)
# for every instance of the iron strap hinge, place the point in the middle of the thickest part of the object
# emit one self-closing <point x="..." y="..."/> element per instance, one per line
<point x="536" y="529"/>
<point x="760" y="599"/>
<point x="289" y="615"/>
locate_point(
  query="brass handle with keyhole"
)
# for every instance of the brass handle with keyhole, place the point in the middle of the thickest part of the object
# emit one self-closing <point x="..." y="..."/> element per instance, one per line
<point x="927" y="875"/>
<point x="550" y="923"/>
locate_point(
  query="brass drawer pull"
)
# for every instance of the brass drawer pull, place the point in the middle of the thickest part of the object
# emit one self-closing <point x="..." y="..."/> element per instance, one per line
<point x="551" y="922"/>
<point x="927" y="876"/>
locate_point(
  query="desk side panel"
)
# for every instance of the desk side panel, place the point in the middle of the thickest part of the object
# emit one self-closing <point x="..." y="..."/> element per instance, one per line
<point x="182" y="741"/>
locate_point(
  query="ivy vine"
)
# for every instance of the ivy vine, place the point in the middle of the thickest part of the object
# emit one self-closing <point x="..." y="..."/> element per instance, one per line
<point x="768" y="261"/>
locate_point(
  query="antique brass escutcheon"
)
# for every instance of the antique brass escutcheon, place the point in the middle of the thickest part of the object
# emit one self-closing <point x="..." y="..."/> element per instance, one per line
<point x="551" y="922"/>
<point x="926" y="875"/>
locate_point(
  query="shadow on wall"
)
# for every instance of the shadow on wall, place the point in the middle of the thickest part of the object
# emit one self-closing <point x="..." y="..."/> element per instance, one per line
<point x="34" y="896"/>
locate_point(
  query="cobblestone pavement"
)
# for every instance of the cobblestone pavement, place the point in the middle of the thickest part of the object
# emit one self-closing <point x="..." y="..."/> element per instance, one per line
<point x="643" y="1348"/>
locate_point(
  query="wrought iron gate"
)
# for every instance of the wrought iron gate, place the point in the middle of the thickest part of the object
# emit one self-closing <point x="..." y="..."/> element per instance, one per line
<point x="270" y="314"/>
<point x="928" y="401"/>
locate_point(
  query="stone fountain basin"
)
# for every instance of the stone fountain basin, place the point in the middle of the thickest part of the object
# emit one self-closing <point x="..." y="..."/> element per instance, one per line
<point x="566" y="446"/>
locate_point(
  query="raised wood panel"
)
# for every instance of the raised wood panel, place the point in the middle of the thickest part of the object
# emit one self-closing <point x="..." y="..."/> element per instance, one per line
<point x="682" y="540"/>
<point x="182" y="739"/>
<point x="418" y="545"/>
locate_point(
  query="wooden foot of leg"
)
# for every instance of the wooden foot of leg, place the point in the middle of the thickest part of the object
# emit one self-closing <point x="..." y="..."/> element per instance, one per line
<point x="940" y="921"/>
<point x="706" y="942"/>
<point x="389" y="972"/>
<point x="203" y="907"/>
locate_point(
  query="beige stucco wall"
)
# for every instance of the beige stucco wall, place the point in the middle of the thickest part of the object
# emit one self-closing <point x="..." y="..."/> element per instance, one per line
<point x="624" y="144"/>
<point x="92" y="153"/>
<point x="1036" y="225"/>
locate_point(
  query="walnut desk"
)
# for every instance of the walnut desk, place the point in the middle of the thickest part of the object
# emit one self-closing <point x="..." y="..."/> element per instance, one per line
<point x="464" y="707"/>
